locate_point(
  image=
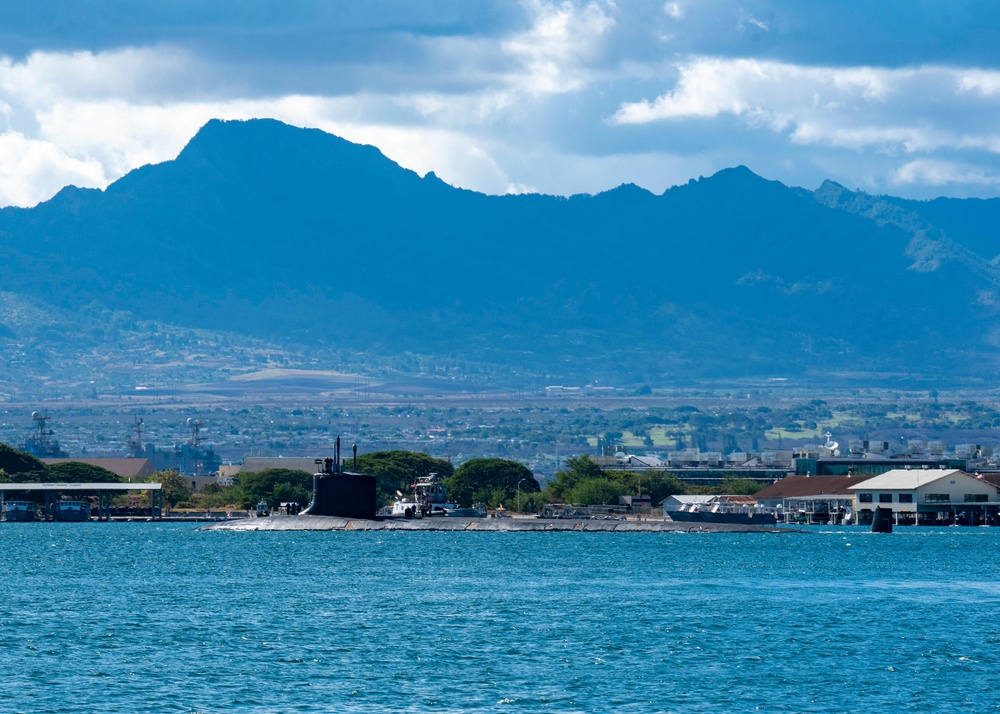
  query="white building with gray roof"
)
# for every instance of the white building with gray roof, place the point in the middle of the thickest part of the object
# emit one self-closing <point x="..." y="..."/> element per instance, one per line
<point x="928" y="497"/>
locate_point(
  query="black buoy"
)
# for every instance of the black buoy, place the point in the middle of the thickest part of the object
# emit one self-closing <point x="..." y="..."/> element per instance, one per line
<point x="882" y="520"/>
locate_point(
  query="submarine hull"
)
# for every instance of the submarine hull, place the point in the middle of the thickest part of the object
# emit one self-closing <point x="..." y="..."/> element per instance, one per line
<point x="346" y="495"/>
<point x="882" y="520"/>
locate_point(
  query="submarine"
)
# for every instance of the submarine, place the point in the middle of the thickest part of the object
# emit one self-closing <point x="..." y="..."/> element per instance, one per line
<point x="345" y="494"/>
<point x="882" y="520"/>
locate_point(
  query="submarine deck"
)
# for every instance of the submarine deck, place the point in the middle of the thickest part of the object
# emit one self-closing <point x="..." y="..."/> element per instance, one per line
<point x="333" y="523"/>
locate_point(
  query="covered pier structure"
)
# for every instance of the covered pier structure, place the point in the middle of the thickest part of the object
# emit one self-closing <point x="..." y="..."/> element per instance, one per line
<point x="104" y="491"/>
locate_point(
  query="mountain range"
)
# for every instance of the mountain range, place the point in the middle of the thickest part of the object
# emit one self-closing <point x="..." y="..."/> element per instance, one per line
<point x="297" y="238"/>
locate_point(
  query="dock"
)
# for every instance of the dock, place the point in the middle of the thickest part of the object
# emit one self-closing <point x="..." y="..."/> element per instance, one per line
<point x="104" y="494"/>
<point x="334" y="523"/>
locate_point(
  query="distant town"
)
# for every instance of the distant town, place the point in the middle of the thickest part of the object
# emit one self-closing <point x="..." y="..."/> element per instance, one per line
<point x="704" y="437"/>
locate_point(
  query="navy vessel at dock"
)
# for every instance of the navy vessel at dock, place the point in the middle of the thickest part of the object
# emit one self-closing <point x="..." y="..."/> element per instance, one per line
<point x="726" y="510"/>
<point x="71" y="511"/>
<point x="19" y="511"/>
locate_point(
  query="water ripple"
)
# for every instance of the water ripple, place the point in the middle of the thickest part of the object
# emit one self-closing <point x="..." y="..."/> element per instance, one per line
<point x="161" y="617"/>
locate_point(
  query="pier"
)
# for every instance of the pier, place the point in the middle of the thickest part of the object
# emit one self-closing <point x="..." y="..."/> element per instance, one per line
<point x="104" y="494"/>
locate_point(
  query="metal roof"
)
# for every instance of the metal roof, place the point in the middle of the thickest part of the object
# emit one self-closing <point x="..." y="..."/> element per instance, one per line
<point x="808" y="486"/>
<point x="294" y="463"/>
<point x="124" y="467"/>
<point x="907" y="479"/>
<point x="81" y="486"/>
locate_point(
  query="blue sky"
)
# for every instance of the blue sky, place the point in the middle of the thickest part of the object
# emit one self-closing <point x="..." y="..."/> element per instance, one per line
<point x="558" y="97"/>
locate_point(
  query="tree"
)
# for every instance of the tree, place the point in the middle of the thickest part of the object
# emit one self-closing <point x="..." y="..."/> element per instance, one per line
<point x="596" y="491"/>
<point x="578" y="468"/>
<point x="77" y="472"/>
<point x="20" y="466"/>
<point x="740" y="486"/>
<point x="275" y="486"/>
<point x="662" y="484"/>
<point x="396" y="470"/>
<point x="215" y="496"/>
<point x="488" y="480"/>
<point x="174" y="487"/>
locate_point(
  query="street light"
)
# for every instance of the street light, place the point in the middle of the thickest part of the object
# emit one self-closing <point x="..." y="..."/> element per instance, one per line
<point x="519" y="494"/>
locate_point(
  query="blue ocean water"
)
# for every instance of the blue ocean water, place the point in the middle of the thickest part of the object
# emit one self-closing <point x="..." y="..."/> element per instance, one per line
<point x="144" y="617"/>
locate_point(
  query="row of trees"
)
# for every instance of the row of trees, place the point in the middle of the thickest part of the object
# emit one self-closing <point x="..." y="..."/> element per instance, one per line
<point x="20" y="467"/>
<point x="274" y="486"/>
<point x="584" y="482"/>
<point x="490" y="481"/>
<point x="496" y="482"/>
<point x="493" y="482"/>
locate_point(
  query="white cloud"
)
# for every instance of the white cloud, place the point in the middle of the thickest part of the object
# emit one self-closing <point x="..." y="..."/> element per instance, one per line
<point x="746" y="18"/>
<point x="31" y="170"/>
<point x="674" y="10"/>
<point x="554" y="53"/>
<point x="46" y="77"/>
<point x="705" y="89"/>
<point x="983" y="81"/>
<point x="855" y="108"/>
<point x="710" y="86"/>
<point x="940" y="173"/>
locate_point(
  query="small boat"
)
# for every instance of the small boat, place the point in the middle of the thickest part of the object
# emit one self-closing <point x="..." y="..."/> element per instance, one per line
<point x="19" y="511"/>
<point x="263" y="509"/>
<point x="69" y="511"/>
<point x="429" y="499"/>
<point x="464" y="512"/>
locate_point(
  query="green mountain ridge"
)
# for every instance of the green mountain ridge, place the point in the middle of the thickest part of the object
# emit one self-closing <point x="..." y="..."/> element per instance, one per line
<point x="304" y="241"/>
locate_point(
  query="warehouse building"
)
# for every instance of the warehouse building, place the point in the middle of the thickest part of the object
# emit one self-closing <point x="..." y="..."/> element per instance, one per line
<point x="929" y="497"/>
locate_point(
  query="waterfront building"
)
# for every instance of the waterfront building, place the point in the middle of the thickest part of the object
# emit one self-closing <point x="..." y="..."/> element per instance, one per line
<point x="928" y="497"/>
<point x="812" y="499"/>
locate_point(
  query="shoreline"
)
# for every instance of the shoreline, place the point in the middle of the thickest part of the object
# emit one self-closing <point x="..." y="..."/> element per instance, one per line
<point x="333" y="523"/>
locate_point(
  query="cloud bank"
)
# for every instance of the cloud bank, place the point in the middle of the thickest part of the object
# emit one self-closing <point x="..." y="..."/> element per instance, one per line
<point x="554" y="96"/>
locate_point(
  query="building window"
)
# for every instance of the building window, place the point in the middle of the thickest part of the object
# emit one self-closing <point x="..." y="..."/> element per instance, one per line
<point x="976" y="498"/>
<point x="906" y="498"/>
<point x="865" y="497"/>
<point x="937" y="498"/>
<point x="885" y="498"/>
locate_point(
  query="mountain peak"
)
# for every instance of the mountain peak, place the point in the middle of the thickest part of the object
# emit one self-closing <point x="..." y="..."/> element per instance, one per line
<point x="273" y="138"/>
<point x="740" y="174"/>
<point x="832" y="194"/>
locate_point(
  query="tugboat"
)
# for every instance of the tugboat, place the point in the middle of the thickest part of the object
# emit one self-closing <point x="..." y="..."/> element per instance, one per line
<point x="429" y="499"/>
<point x="263" y="509"/>
<point x="68" y="511"/>
<point x="19" y="511"/>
